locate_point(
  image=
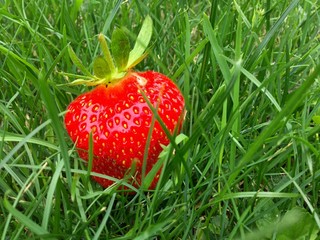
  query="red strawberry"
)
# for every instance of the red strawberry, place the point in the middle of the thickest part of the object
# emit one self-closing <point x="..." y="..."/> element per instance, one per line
<point x="118" y="115"/>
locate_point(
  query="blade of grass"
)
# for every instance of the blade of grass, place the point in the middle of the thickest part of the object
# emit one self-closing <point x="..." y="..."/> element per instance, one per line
<point x="236" y="93"/>
<point x="201" y="46"/>
<point x="52" y="109"/>
<point x="153" y="229"/>
<point x="105" y="218"/>
<point x="292" y="103"/>
<point x="305" y="198"/>
<point x="35" y="228"/>
<point x="50" y="195"/>
<point x="224" y="68"/>
<point x="22" y="142"/>
<point x="12" y="137"/>
<point x="186" y="75"/>
<point x="217" y="50"/>
<point x="256" y="51"/>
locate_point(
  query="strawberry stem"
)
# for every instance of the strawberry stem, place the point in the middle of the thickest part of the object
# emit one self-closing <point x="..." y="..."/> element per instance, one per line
<point x="107" y="69"/>
<point x="106" y="52"/>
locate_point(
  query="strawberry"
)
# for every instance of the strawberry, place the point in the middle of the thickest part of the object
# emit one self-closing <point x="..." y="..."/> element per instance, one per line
<point x="119" y="111"/>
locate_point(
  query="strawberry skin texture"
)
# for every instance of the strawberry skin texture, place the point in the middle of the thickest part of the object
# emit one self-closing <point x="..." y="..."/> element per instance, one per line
<point x="119" y="118"/>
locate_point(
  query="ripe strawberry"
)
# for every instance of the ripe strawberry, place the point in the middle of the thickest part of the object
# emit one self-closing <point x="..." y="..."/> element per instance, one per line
<point x="117" y="111"/>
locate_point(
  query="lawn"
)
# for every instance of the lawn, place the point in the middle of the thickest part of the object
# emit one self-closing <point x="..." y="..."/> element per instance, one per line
<point x="247" y="162"/>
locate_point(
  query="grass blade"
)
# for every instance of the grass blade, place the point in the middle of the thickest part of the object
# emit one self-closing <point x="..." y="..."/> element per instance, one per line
<point x="292" y="103"/>
<point x="32" y="226"/>
<point x="256" y="52"/>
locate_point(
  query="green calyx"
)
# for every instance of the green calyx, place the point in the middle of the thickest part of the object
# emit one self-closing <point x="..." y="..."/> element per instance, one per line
<point x="109" y="68"/>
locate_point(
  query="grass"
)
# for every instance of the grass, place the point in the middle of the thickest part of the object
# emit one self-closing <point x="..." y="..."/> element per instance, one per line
<point x="248" y="166"/>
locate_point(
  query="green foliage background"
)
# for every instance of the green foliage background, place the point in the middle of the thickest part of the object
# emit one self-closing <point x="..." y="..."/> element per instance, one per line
<point x="249" y="161"/>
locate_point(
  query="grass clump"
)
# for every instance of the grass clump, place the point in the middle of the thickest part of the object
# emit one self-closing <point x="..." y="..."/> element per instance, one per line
<point x="248" y="163"/>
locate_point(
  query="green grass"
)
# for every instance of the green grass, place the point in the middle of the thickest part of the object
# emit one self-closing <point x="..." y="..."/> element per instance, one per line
<point x="249" y="166"/>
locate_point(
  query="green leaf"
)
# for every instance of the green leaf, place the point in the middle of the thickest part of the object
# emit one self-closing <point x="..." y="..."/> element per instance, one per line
<point x="316" y="119"/>
<point x="141" y="44"/>
<point x="100" y="67"/>
<point x="120" y="47"/>
<point x="106" y="52"/>
<point x="297" y="224"/>
<point x="78" y="62"/>
<point x="269" y="212"/>
<point x="137" y="60"/>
